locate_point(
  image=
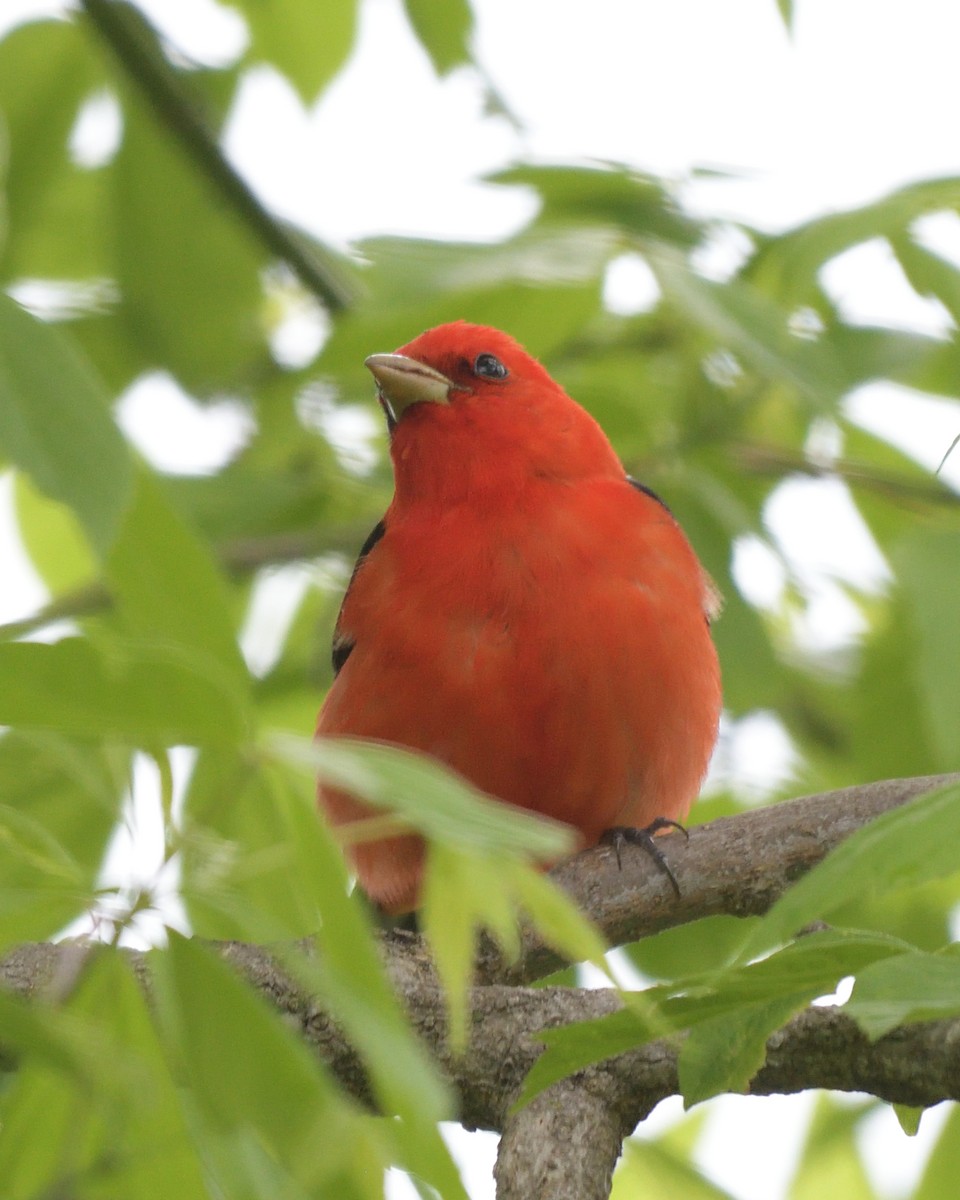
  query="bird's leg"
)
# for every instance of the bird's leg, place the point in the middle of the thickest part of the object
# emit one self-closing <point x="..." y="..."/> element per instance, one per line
<point x="622" y="835"/>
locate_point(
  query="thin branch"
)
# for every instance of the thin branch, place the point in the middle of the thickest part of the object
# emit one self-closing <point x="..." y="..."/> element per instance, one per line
<point x="130" y="39"/>
<point x="772" y="460"/>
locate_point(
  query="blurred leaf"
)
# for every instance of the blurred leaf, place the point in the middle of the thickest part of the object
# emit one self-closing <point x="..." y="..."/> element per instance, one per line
<point x="444" y="28"/>
<point x="926" y="558"/>
<point x="900" y="848"/>
<point x="137" y="692"/>
<point x="53" y="539"/>
<point x="654" y="1171"/>
<point x="743" y="320"/>
<point x="188" y="269"/>
<point x="785" y="8"/>
<point x="306" y="43"/>
<point x="59" y="801"/>
<point x="468" y="890"/>
<point x="787" y="265"/>
<point x="640" y="205"/>
<point x="115" y="1129"/>
<point x="47" y="70"/>
<point x="168" y="590"/>
<point x="908" y="1118"/>
<point x="55" y="425"/>
<point x="688" y="949"/>
<point x="929" y="274"/>
<point x="943" y="1166"/>
<point x="430" y="796"/>
<point x="299" y="1131"/>
<point x="258" y="865"/>
<point x="830" y="1162"/>
<point x="904" y="989"/>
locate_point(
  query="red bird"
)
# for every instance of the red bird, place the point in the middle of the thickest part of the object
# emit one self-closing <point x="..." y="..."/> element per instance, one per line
<point x="525" y="612"/>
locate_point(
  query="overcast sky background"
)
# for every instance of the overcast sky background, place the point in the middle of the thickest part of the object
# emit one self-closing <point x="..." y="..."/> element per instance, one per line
<point x="862" y="98"/>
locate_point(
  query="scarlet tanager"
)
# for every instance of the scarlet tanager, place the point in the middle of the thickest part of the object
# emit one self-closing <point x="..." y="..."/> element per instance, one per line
<point x="525" y="612"/>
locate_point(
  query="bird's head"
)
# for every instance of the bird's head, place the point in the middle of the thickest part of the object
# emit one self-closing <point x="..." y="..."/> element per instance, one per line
<point x="468" y="407"/>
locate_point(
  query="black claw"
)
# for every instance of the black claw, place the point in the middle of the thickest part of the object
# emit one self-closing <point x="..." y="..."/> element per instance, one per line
<point x="622" y="835"/>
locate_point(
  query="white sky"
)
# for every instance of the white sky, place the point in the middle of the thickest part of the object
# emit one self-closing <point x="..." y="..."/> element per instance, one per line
<point x="862" y="99"/>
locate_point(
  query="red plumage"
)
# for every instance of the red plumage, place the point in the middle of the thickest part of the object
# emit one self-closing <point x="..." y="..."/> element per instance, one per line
<point x="528" y="615"/>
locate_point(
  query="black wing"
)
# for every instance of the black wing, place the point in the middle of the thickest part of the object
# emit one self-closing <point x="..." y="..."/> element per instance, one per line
<point x="642" y="487"/>
<point x="342" y="645"/>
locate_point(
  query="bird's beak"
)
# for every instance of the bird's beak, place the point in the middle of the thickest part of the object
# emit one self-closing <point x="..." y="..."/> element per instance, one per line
<point x="403" y="381"/>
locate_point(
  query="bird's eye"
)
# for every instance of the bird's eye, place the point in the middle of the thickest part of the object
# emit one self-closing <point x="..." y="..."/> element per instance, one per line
<point x="489" y="367"/>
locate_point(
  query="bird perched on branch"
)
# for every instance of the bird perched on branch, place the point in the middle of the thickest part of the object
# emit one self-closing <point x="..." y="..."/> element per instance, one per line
<point x="524" y="612"/>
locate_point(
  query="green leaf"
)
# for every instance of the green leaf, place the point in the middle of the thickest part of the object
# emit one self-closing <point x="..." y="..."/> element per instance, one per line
<point x="943" y="1166"/>
<point x="908" y="1118"/>
<point x="430" y="796"/>
<point x="189" y="271"/>
<point x="651" y="1169"/>
<point x="745" y="321"/>
<point x="928" y="561"/>
<point x="55" y="424"/>
<point x="905" y="989"/>
<point x="729" y="1014"/>
<point x="53" y="538"/>
<point x="47" y="70"/>
<point x="787" y="266"/>
<point x="135" y="692"/>
<point x="275" y="1096"/>
<point x="556" y="917"/>
<point x="465" y="890"/>
<point x="110" y="1124"/>
<point x="723" y="1055"/>
<point x="307" y="44"/>
<point x="904" y="847"/>
<point x="785" y="8"/>
<point x="59" y="802"/>
<point x="169" y="590"/>
<point x="249" y="866"/>
<point x="259" y="865"/>
<point x="830" y="1162"/>
<point x="929" y="274"/>
<point x="444" y="28"/>
<point x="208" y="1011"/>
<point x="620" y="197"/>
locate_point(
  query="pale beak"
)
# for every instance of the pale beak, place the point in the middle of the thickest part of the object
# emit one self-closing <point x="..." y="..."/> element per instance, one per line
<point x="403" y="381"/>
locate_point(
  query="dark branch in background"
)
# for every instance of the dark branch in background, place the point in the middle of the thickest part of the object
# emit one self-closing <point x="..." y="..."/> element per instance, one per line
<point x="238" y="558"/>
<point x="125" y="31"/>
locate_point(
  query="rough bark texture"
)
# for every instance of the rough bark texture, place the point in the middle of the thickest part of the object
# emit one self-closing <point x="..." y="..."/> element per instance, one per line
<point x="565" y="1144"/>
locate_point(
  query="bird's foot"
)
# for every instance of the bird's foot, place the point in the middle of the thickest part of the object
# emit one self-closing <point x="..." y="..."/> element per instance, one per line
<point x="623" y="835"/>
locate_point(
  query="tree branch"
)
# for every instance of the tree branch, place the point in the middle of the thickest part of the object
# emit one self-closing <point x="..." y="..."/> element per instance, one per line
<point x="736" y="866"/>
<point x="565" y="1143"/>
